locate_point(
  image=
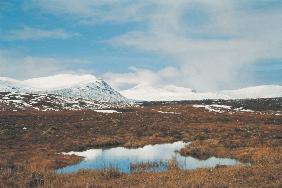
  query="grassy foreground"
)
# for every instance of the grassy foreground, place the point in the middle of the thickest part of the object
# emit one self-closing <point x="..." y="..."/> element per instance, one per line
<point x="30" y="143"/>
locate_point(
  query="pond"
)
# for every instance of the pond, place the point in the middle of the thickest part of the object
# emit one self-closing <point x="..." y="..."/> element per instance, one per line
<point x="153" y="158"/>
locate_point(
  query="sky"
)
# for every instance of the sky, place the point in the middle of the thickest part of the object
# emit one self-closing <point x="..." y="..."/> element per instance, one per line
<point x="201" y="44"/>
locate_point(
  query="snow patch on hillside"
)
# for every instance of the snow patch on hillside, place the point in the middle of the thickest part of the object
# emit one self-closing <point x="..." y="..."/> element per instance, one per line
<point x="49" y="102"/>
<point x="107" y="111"/>
<point x="221" y="108"/>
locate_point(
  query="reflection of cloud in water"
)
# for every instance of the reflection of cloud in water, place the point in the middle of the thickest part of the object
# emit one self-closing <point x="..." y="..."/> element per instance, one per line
<point x="121" y="158"/>
<point x="90" y="154"/>
<point x="149" y="152"/>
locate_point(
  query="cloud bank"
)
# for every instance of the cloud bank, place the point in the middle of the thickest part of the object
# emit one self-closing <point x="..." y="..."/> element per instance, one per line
<point x="32" y="66"/>
<point x="208" y="42"/>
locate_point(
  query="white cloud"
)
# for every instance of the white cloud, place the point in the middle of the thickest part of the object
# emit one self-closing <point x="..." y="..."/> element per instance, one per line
<point x="122" y="81"/>
<point x="210" y="48"/>
<point x="19" y="66"/>
<point x="210" y="63"/>
<point x="126" y="80"/>
<point x="31" y="33"/>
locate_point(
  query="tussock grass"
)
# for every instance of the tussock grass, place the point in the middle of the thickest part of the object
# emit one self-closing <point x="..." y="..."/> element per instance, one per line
<point x="28" y="157"/>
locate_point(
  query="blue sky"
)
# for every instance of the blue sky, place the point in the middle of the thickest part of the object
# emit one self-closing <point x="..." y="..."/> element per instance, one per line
<point x="207" y="45"/>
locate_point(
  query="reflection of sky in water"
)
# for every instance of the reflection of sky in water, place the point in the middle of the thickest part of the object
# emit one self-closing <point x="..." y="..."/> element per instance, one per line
<point x="121" y="158"/>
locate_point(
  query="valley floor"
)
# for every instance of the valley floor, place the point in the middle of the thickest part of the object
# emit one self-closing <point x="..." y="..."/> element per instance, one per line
<point x="30" y="143"/>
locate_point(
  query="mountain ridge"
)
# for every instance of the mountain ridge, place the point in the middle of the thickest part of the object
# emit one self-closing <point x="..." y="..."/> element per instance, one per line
<point x="174" y="93"/>
<point x="66" y="85"/>
<point x="89" y="87"/>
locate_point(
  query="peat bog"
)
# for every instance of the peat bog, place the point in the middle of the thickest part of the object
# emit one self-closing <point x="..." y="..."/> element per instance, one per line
<point x="31" y="143"/>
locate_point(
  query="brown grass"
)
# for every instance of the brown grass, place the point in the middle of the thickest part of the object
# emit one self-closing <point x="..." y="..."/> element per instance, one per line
<point x="28" y="157"/>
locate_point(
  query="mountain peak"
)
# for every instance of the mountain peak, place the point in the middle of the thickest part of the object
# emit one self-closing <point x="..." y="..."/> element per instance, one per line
<point x="86" y="87"/>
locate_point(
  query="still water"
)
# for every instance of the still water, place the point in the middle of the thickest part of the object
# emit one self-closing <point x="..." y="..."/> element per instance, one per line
<point x="122" y="158"/>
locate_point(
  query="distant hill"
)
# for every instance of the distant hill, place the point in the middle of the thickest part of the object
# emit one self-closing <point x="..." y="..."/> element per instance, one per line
<point x="174" y="93"/>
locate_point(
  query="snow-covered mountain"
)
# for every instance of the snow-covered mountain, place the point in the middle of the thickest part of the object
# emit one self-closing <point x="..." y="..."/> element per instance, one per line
<point x="263" y="91"/>
<point x="11" y="85"/>
<point x="87" y="87"/>
<point x="174" y="93"/>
